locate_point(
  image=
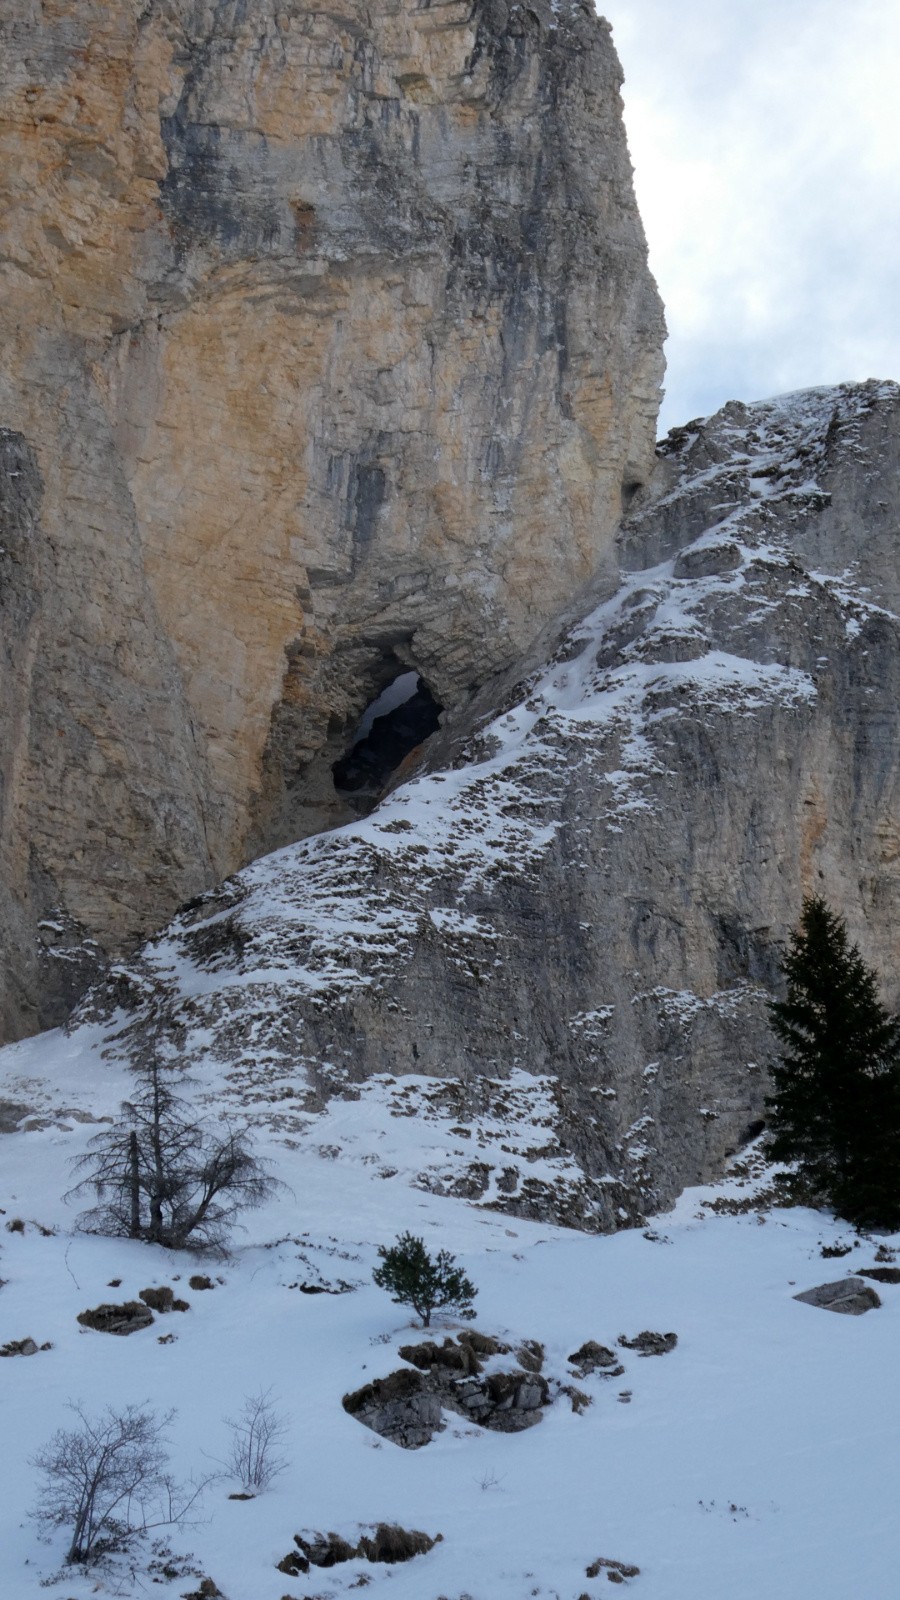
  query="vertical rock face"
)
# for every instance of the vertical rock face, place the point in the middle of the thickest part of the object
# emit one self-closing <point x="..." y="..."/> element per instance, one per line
<point x="328" y="351"/>
<point x="560" y="942"/>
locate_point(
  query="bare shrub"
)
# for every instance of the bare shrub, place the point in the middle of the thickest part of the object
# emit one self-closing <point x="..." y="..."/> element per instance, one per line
<point x="107" y="1480"/>
<point x="257" y="1437"/>
<point x="163" y="1175"/>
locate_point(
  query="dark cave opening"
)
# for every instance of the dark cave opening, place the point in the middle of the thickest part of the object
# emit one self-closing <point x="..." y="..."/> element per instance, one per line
<point x="395" y="723"/>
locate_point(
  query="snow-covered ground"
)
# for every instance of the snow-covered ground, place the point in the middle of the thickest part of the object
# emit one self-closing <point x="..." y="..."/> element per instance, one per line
<point x="760" y="1457"/>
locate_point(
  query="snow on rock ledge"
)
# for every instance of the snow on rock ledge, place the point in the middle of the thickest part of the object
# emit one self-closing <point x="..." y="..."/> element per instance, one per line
<point x="554" y="954"/>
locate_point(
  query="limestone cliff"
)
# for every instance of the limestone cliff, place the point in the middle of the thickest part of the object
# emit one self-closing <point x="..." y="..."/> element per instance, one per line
<point x="561" y="939"/>
<point x="328" y="347"/>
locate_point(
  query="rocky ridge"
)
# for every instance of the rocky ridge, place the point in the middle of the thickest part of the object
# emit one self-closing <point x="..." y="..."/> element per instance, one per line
<point x="556" y="946"/>
<point x="314" y="321"/>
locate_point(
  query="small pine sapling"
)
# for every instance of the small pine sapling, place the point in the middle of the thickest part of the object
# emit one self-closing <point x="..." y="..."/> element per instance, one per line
<point x="414" y="1277"/>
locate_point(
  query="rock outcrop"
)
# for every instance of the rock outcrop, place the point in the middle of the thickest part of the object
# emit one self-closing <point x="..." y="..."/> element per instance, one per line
<point x="406" y="1407"/>
<point x="566" y="933"/>
<point x="849" y="1296"/>
<point x="129" y="1317"/>
<point x="386" y="1542"/>
<point x="329" y="349"/>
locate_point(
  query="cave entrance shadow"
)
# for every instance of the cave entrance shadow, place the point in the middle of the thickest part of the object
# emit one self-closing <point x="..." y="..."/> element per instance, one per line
<point x="398" y="720"/>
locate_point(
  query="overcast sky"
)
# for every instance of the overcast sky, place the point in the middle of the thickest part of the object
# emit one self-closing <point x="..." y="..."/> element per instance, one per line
<point x="765" y="136"/>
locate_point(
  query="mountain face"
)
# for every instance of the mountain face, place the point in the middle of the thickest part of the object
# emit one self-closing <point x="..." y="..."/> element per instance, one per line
<point x="330" y="368"/>
<point x="558" y="941"/>
<point x="314" y="321"/>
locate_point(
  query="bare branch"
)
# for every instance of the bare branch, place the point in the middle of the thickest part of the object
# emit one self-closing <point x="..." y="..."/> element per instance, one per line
<point x="107" y="1480"/>
<point x="257" y="1436"/>
<point x="163" y="1175"/>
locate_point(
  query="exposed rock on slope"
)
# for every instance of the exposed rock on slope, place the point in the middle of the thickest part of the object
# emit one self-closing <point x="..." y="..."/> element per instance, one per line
<point x="314" y="322"/>
<point x="566" y="936"/>
<point x="406" y="1406"/>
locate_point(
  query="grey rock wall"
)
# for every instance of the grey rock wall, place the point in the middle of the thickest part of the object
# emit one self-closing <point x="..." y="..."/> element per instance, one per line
<point x="569" y="926"/>
<point x="329" y="335"/>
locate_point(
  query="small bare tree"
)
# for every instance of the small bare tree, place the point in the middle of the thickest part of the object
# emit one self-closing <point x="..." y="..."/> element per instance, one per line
<point x="107" y="1480"/>
<point x="257" y="1437"/>
<point x="163" y="1175"/>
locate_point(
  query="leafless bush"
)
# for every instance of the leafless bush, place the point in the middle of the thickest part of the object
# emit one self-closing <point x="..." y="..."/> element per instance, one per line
<point x="257" y="1437"/>
<point x="107" y="1480"/>
<point x="162" y="1175"/>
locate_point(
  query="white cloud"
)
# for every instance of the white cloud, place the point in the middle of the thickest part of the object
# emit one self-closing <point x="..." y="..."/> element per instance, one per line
<point x="766" y="141"/>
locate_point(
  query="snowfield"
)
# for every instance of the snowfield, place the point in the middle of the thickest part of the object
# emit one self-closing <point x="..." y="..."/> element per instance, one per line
<point x="760" y="1457"/>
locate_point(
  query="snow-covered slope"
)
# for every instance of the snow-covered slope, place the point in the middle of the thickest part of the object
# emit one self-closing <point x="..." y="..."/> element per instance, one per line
<point x="760" y="1456"/>
<point x="528" y="989"/>
<point x="561" y="937"/>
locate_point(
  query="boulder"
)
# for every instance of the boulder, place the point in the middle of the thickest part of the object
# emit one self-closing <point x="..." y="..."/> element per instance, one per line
<point x="293" y="1564"/>
<point x="530" y="1355"/>
<point x="20" y="1347"/>
<point x="390" y="1543"/>
<point x="402" y="1408"/>
<point x="650" y="1344"/>
<point x="406" y="1406"/>
<point x="162" y="1299"/>
<point x="851" y="1296"/>
<point x="129" y="1317"/>
<point x="11" y="1114"/>
<point x="577" y="1397"/>
<point x="387" y="1543"/>
<point x="484" y="1344"/>
<point x="616" y="1571"/>
<point x="593" y="1357"/>
<point x="881" y="1274"/>
<point x="453" y="1357"/>
<point x="325" y="1549"/>
<point x="509" y="1391"/>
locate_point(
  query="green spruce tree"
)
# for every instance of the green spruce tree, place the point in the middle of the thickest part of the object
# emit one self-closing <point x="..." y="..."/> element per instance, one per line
<point x="414" y="1277"/>
<point x="835" y="1106"/>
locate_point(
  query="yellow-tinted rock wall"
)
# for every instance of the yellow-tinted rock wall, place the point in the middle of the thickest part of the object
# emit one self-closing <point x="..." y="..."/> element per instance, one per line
<point x="329" y="339"/>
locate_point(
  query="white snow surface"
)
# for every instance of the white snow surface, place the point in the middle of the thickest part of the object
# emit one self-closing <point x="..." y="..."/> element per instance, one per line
<point x="759" y="1457"/>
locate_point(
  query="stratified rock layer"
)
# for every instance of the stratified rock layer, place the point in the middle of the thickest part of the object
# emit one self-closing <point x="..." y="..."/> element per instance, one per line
<point x="567" y="936"/>
<point x="328" y="348"/>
